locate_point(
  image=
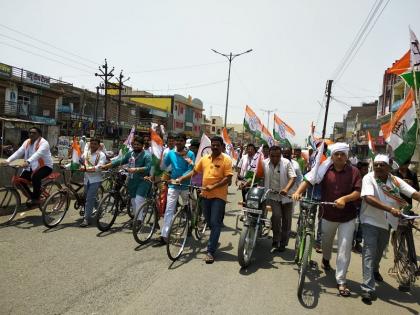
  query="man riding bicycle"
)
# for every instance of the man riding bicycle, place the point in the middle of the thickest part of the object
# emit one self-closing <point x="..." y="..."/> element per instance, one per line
<point x="37" y="163"/>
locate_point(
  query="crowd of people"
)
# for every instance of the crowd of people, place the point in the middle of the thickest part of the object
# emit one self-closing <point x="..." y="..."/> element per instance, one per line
<point x="367" y="204"/>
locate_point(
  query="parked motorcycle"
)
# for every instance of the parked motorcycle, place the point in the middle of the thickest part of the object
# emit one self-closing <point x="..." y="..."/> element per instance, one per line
<point x="255" y="223"/>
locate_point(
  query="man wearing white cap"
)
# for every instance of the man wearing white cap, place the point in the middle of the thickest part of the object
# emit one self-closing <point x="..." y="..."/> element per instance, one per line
<point x="340" y="183"/>
<point x="382" y="201"/>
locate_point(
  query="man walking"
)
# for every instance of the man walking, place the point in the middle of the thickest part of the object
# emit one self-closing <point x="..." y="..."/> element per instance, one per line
<point x="217" y="174"/>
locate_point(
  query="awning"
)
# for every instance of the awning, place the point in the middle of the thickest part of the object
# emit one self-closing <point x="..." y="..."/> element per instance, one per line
<point x="21" y="120"/>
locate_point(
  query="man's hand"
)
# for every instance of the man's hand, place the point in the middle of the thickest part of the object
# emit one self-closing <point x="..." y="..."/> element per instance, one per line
<point x="395" y="212"/>
<point x="208" y="187"/>
<point x="4" y="163"/>
<point x="296" y="196"/>
<point x="131" y="170"/>
<point x="340" y="203"/>
<point x="284" y="192"/>
<point x="24" y="164"/>
<point x="175" y="181"/>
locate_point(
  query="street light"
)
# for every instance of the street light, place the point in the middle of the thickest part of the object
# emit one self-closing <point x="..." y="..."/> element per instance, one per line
<point x="230" y="57"/>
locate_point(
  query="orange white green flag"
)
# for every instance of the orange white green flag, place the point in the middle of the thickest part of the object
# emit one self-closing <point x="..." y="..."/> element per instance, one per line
<point x="75" y="155"/>
<point x="266" y="136"/>
<point x="401" y="131"/>
<point x="371" y="145"/>
<point x="282" y="131"/>
<point x="252" y="123"/>
<point x="156" y="144"/>
<point x="230" y="150"/>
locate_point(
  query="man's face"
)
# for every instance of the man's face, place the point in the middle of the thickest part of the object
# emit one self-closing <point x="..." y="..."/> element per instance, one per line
<point x="180" y="144"/>
<point x="94" y="145"/>
<point x="298" y="153"/>
<point x="381" y="169"/>
<point x="364" y="170"/>
<point x="275" y="156"/>
<point x="216" y="147"/>
<point x="250" y="150"/>
<point x="266" y="151"/>
<point x="146" y="141"/>
<point x="171" y="143"/>
<point x="339" y="159"/>
<point x="33" y="134"/>
<point x="137" y="146"/>
<point x="287" y="153"/>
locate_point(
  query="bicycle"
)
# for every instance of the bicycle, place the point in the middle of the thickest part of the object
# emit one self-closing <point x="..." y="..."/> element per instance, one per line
<point x="114" y="202"/>
<point x="56" y="206"/>
<point x="405" y="259"/>
<point x="10" y="199"/>
<point x="305" y="236"/>
<point x="151" y="211"/>
<point x="188" y="217"/>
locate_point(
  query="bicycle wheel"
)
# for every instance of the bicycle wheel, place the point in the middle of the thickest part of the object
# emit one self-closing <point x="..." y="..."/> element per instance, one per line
<point x="200" y="222"/>
<point x="299" y="236"/>
<point x="404" y="268"/>
<point x="144" y="223"/>
<point x="50" y="188"/>
<point x="9" y="205"/>
<point x="304" y="264"/>
<point x="177" y="235"/>
<point x="54" y="208"/>
<point x="107" y="212"/>
<point x="246" y="245"/>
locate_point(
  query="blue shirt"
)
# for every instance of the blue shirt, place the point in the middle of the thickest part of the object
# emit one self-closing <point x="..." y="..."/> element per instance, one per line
<point x="179" y="166"/>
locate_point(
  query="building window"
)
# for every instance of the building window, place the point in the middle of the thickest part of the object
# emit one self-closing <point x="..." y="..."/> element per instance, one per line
<point x="213" y="129"/>
<point x="213" y="121"/>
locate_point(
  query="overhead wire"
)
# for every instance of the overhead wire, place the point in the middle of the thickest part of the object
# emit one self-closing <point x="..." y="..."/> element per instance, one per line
<point x="186" y="87"/>
<point x="47" y="44"/>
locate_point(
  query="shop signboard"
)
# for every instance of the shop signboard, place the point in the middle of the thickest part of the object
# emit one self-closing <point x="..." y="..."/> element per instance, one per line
<point x="63" y="146"/>
<point x="37" y="79"/>
<point x="5" y="70"/>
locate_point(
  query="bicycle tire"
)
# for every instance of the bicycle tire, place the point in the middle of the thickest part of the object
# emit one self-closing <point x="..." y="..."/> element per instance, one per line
<point x="107" y="212"/>
<point x="55" y="208"/>
<point x="200" y="221"/>
<point x="9" y="205"/>
<point x="304" y="265"/>
<point x="404" y="268"/>
<point x="50" y="188"/>
<point x="143" y="229"/>
<point x="246" y="245"/>
<point x="126" y="201"/>
<point x="177" y="235"/>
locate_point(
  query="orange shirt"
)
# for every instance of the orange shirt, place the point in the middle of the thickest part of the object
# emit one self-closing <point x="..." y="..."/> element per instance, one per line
<point x="214" y="170"/>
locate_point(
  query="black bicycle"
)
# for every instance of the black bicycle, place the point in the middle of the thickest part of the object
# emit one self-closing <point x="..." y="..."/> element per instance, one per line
<point x="116" y="201"/>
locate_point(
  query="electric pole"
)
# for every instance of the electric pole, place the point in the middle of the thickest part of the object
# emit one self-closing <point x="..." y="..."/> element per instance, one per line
<point x="106" y="76"/>
<point x="120" y="89"/>
<point x="328" y="93"/>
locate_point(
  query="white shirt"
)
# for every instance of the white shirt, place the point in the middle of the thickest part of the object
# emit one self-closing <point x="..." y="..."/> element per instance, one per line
<point x="299" y="176"/>
<point x="283" y="171"/>
<point x="90" y="161"/>
<point x="36" y="154"/>
<point x="377" y="217"/>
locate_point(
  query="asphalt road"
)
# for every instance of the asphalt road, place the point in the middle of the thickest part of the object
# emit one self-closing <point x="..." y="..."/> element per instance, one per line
<point x="70" y="270"/>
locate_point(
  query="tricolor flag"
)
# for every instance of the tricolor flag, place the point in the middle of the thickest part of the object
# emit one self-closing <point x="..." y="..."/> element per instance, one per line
<point x="412" y="76"/>
<point x="204" y="148"/>
<point x="157" y="151"/>
<point x="76" y="155"/>
<point x="127" y="143"/>
<point x="312" y="140"/>
<point x="281" y="130"/>
<point x="252" y="123"/>
<point x="230" y="150"/>
<point x="371" y="145"/>
<point x="320" y="166"/>
<point x="401" y="65"/>
<point x="401" y="131"/>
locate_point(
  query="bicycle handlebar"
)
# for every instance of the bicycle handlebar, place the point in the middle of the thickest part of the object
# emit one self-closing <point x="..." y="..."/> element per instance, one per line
<point x="189" y="186"/>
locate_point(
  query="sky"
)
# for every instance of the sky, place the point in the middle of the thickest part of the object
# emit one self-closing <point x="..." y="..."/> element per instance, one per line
<point x="165" y="48"/>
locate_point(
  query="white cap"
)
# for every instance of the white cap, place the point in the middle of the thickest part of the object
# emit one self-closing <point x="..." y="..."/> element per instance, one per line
<point x="382" y="158"/>
<point x="339" y="147"/>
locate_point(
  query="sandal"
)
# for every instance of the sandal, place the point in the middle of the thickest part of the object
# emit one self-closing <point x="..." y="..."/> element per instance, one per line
<point x="209" y="259"/>
<point x="326" y="265"/>
<point x="344" y="291"/>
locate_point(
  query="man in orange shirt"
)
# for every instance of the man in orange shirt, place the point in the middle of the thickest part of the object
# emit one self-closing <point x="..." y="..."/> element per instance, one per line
<point x="217" y="174"/>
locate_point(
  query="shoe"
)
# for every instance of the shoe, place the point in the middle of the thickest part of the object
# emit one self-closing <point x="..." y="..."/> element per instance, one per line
<point x="84" y="223"/>
<point x="209" y="259"/>
<point x="378" y="277"/>
<point x="318" y="248"/>
<point x="368" y="297"/>
<point x="161" y="242"/>
<point x="357" y="248"/>
<point x="404" y="288"/>
<point x="326" y="265"/>
<point x="274" y="247"/>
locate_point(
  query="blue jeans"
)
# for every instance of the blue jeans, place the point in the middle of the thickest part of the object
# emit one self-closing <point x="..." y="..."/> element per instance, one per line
<point x="213" y="210"/>
<point x="91" y="190"/>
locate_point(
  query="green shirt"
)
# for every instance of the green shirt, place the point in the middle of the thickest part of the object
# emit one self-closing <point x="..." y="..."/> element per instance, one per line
<point x="302" y="164"/>
<point x="136" y="183"/>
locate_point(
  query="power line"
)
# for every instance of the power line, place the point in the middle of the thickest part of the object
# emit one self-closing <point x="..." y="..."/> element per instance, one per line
<point x="363" y="41"/>
<point x="42" y="56"/>
<point x="48" y="52"/>
<point x="186" y="87"/>
<point x="48" y="44"/>
<point x="177" y="68"/>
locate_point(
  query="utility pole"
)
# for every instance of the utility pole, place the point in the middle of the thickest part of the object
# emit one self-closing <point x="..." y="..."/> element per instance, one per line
<point x="120" y="89"/>
<point x="106" y="76"/>
<point x="96" y="106"/>
<point x="268" y="111"/>
<point x="328" y="93"/>
<point x="230" y="58"/>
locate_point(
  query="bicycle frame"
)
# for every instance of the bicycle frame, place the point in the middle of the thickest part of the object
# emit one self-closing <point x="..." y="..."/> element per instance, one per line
<point x="307" y="218"/>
